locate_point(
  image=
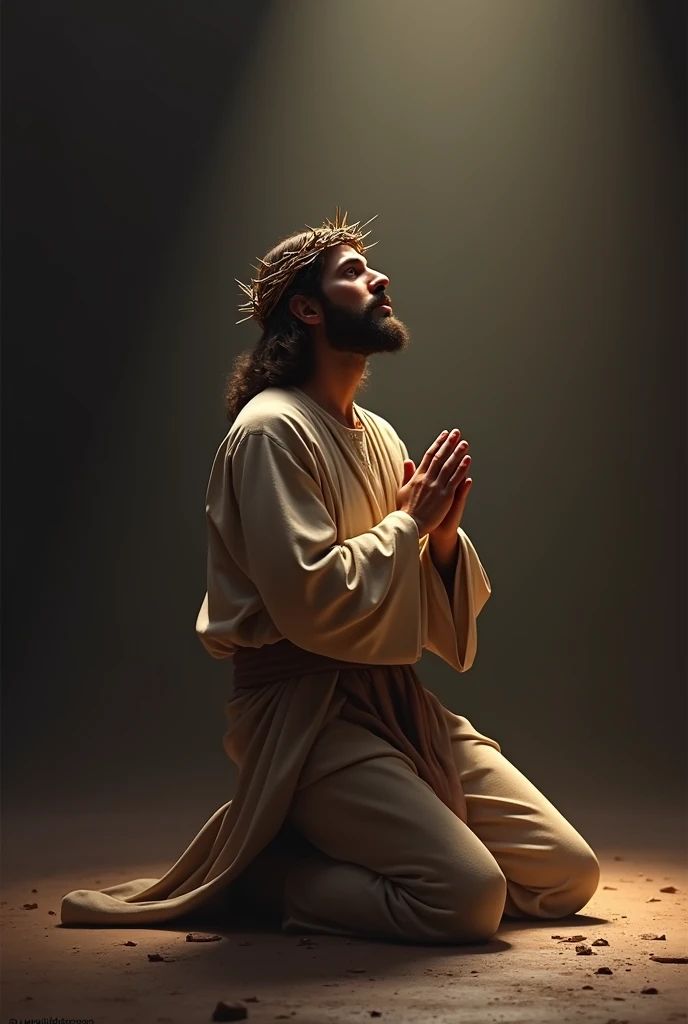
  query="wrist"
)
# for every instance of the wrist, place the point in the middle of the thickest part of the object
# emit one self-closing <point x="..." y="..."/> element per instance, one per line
<point x="443" y="549"/>
<point x="421" y="529"/>
<point x="443" y="541"/>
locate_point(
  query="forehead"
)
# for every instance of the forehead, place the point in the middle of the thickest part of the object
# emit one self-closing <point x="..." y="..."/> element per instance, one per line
<point x="337" y="254"/>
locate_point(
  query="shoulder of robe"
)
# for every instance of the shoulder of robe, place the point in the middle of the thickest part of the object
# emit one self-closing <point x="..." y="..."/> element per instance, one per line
<point x="274" y="414"/>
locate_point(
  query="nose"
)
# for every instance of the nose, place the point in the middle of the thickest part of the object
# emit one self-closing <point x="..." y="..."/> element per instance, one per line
<point x="379" y="283"/>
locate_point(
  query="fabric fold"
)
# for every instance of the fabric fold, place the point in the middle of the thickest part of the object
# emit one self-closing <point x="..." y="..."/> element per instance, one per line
<point x="306" y="548"/>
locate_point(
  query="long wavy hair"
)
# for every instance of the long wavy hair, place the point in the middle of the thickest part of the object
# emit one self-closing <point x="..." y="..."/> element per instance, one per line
<point x="285" y="352"/>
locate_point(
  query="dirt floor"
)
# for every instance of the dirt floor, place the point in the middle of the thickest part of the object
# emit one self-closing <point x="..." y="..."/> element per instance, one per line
<point x="600" y="965"/>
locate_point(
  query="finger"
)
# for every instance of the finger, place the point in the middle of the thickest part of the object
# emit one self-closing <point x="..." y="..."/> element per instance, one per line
<point x="452" y="472"/>
<point x="461" y="495"/>
<point x="426" y="461"/>
<point x="442" y="454"/>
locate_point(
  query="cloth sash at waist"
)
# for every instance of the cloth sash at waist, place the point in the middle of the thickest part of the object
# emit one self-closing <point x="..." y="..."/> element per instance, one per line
<point x="272" y="663"/>
<point x="389" y="700"/>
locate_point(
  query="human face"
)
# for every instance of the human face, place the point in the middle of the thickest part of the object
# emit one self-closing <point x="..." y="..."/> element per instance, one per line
<point x="351" y="297"/>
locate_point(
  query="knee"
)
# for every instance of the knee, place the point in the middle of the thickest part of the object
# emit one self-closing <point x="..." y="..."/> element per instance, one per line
<point x="583" y="870"/>
<point x="473" y="904"/>
<point x="576" y="881"/>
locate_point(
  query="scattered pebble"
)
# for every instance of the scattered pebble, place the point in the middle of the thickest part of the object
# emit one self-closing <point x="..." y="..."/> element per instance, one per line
<point x="202" y="937"/>
<point x="649" y="990"/>
<point x="651" y="935"/>
<point x="229" y="1011"/>
<point x="604" y="970"/>
<point x="600" y="942"/>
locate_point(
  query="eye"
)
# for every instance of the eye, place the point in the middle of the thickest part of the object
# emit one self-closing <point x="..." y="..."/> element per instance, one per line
<point x="355" y="270"/>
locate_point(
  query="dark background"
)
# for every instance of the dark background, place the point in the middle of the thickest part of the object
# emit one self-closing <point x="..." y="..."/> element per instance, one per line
<point x="530" y="179"/>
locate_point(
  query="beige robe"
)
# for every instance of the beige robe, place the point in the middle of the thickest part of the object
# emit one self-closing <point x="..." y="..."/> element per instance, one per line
<point x="305" y="543"/>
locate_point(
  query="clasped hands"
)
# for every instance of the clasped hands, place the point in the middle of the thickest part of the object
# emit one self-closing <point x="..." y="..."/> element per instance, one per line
<point x="435" y="493"/>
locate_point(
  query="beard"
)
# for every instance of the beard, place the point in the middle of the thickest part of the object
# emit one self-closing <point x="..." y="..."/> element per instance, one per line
<point x="363" y="332"/>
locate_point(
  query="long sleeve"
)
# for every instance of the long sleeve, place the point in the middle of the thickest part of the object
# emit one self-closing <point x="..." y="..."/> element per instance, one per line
<point x="359" y="600"/>
<point x="452" y="631"/>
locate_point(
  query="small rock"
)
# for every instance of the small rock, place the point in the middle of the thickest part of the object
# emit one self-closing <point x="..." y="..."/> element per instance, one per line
<point x="669" y="888"/>
<point x="583" y="950"/>
<point x="653" y="899"/>
<point x="229" y="1011"/>
<point x="155" y="957"/>
<point x="600" y="942"/>
<point x="130" y="943"/>
<point x="604" y="970"/>
<point x="649" y="990"/>
<point x="201" y="937"/>
<point x="51" y="913"/>
<point x="651" y="935"/>
<point x="355" y="970"/>
<point x="669" y="959"/>
<point x="618" y="858"/>
<point x="250" y="999"/>
<point x="375" y="1013"/>
<point x="609" y="887"/>
<point x="574" y="938"/>
<point x="34" y="890"/>
<point x="587" y="986"/>
<point x="29" y="906"/>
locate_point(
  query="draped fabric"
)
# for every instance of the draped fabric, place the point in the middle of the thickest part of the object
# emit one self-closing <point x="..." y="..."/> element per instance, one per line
<point x="389" y="700"/>
<point x="324" y="597"/>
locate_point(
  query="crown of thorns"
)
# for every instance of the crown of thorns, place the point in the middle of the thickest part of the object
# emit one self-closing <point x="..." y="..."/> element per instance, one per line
<point x="264" y="292"/>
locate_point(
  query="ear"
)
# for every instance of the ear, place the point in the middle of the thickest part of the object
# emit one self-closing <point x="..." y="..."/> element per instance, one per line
<point x="304" y="309"/>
